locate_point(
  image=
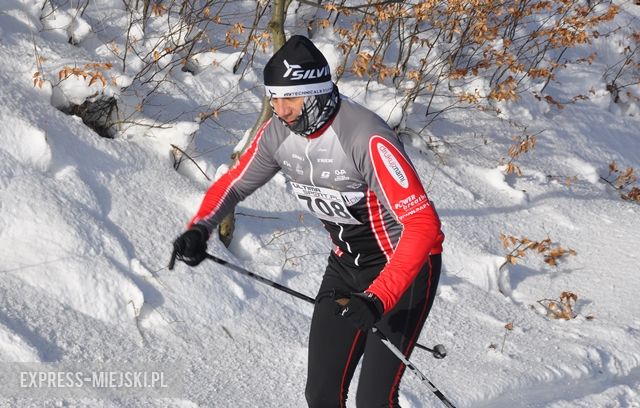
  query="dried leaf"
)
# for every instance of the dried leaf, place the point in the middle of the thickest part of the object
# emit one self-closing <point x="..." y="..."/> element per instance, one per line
<point x="613" y="167"/>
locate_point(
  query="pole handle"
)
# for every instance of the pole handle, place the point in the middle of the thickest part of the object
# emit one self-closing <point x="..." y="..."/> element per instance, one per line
<point x="172" y="261"/>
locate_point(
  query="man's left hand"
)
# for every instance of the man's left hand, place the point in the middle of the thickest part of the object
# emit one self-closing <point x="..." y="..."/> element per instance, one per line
<point x="363" y="310"/>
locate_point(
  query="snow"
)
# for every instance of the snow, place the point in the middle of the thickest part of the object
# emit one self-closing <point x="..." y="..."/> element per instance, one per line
<point x="86" y="226"/>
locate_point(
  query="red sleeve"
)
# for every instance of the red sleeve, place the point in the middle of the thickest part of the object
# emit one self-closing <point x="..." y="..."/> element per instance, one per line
<point x="404" y="196"/>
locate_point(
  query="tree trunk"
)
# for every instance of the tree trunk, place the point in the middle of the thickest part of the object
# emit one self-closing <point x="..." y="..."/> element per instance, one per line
<point x="276" y="29"/>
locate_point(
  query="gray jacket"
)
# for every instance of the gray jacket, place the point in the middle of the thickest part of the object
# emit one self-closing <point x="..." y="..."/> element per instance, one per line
<point x="355" y="176"/>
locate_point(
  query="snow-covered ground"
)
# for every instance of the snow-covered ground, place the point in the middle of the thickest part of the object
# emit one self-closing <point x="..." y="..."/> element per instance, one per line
<point x="86" y="225"/>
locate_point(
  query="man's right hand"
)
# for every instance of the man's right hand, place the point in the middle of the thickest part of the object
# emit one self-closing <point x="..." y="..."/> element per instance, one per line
<point x="191" y="246"/>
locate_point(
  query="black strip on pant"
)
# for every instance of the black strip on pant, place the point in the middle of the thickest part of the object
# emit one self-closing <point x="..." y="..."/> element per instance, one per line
<point x="335" y="346"/>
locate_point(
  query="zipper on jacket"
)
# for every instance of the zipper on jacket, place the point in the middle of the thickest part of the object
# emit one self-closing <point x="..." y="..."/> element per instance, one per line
<point x="306" y="154"/>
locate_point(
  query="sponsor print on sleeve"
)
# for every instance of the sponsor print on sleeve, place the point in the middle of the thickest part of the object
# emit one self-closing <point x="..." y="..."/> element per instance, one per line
<point x="399" y="183"/>
<point x="391" y="164"/>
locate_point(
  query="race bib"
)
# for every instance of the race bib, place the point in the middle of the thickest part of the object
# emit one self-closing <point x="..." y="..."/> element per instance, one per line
<point x="325" y="203"/>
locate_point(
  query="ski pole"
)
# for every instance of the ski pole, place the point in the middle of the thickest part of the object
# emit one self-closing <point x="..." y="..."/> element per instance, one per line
<point x="437" y="349"/>
<point x="261" y="279"/>
<point x="250" y="274"/>
<point x="413" y="368"/>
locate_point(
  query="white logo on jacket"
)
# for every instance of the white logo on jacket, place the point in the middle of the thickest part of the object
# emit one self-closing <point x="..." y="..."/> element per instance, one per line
<point x="393" y="166"/>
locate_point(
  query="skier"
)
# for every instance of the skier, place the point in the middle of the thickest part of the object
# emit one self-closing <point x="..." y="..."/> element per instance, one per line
<point x="347" y="167"/>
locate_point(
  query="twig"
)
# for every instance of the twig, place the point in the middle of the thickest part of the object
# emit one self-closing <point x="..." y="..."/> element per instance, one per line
<point x="190" y="158"/>
<point x="263" y="217"/>
<point x="227" y="332"/>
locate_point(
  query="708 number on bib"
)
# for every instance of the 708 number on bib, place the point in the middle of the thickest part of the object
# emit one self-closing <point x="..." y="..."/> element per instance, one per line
<point x="332" y="209"/>
<point x="324" y="203"/>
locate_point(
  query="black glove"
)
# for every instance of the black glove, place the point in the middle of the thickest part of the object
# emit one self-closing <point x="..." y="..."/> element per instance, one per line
<point x="363" y="310"/>
<point x="191" y="246"/>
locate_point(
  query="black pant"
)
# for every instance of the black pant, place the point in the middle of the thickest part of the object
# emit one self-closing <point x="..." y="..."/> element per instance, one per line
<point x="335" y="346"/>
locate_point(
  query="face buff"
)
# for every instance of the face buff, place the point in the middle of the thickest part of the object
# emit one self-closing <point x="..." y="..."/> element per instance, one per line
<point x="316" y="112"/>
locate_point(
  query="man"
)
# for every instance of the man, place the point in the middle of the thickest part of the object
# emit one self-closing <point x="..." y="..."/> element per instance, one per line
<point x="347" y="167"/>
